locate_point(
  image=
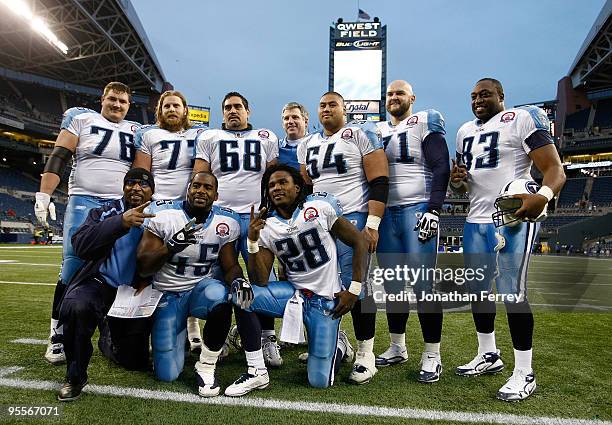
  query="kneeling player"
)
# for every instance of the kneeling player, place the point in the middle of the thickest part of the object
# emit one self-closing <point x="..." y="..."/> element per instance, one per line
<point x="301" y="232"/>
<point x="179" y="248"/>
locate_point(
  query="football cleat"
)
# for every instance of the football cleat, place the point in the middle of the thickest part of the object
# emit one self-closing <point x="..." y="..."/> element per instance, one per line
<point x="303" y="358"/>
<point x="208" y="384"/>
<point x="233" y="338"/>
<point x="70" y="392"/>
<point x="431" y="368"/>
<point x="518" y="387"/>
<point x="195" y="345"/>
<point x="394" y="355"/>
<point x="349" y="352"/>
<point x="364" y="369"/>
<point x="254" y="379"/>
<point x="224" y="351"/>
<point x="483" y="363"/>
<point x="271" y="351"/>
<point x="55" y="351"/>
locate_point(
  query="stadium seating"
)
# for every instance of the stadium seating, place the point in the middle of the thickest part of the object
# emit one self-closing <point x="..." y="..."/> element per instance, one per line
<point x="572" y="192"/>
<point x="601" y="193"/>
<point x="603" y="114"/>
<point x="578" y="120"/>
<point x="555" y="221"/>
<point x="12" y="179"/>
<point x="452" y="223"/>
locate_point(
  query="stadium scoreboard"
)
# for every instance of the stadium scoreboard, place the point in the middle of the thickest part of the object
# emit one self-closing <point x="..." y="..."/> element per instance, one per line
<point x="357" y="67"/>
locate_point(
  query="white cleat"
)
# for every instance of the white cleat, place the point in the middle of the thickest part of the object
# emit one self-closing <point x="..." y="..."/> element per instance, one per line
<point x="194" y="335"/>
<point x="233" y="338"/>
<point x="271" y="352"/>
<point x="224" y="351"/>
<point x="431" y="368"/>
<point x="208" y="384"/>
<point x="518" y="387"/>
<point x="483" y="363"/>
<point x="364" y="369"/>
<point x="254" y="379"/>
<point x="394" y="355"/>
<point x="55" y="352"/>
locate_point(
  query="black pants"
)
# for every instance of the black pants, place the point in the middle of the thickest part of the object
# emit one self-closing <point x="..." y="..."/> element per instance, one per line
<point x="126" y="341"/>
<point x="82" y="310"/>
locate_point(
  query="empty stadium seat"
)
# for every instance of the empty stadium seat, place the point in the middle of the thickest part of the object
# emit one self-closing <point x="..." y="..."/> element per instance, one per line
<point x="572" y="191"/>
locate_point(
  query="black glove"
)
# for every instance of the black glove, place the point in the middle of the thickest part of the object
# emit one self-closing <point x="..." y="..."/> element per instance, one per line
<point x="184" y="237"/>
<point x="242" y="293"/>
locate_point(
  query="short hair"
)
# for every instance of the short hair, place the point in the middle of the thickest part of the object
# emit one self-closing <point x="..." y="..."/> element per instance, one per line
<point x="206" y="173"/>
<point x="496" y="83"/>
<point x="245" y="102"/>
<point x="335" y="93"/>
<point x="119" y="88"/>
<point x="265" y="180"/>
<point x="295" y="105"/>
<point x="160" y="103"/>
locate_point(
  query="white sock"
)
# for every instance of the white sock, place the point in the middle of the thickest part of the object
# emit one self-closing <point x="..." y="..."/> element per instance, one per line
<point x="398" y="339"/>
<point x="208" y="359"/>
<point x="432" y="347"/>
<point x="366" y="346"/>
<point x="255" y="359"/>
<point x="55" y="329"/>
<point x="193" y="328"/>
<point x="522" y="360"/>
<point x="486" y="343"/>
<point x="265" y="333"/>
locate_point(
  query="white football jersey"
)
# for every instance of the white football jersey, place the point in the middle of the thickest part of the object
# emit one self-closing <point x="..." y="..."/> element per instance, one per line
<point x="238" y="159"/>
<point x="104" y="153"/>
<point x="335" y="163"/>
<point x="305" y="245"/>
<point x="185" y="269"/>
<point x="409" y="176"/>
<point x="172" y="158"/>
<point x="496" y="153"/>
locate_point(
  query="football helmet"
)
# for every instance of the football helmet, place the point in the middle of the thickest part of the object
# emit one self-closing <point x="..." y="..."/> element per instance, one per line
<point x="506" y="205"/>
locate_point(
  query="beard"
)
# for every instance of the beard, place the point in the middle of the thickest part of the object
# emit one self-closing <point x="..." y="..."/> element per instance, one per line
<point x="402" y="108"/>
<point x="173" y="125"/>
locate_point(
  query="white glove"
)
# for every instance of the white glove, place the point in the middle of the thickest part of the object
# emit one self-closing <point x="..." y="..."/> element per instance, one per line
<point x="52" y="214"/>
<point x="41" y="207"/>
<point x="427" y="225"/>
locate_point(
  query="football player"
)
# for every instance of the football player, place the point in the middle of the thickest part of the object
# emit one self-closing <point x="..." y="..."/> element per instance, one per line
<point x="238" y="155"/>
<point x="498" y="146"/>
<point x="295" y="122"/>
<point x="301" y="230"/>
<point x="418" y="178"/>
<point x="102" y="148"/>
<point x="349" y="162"/>
<point x="107" y="242"/>
<point x="179" y="249"/>
<point x="167" y="149"/>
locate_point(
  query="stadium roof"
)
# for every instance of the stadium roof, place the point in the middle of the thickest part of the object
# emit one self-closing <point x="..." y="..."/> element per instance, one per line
<point x="105" y="40"/>
<point x="593" y="64"/>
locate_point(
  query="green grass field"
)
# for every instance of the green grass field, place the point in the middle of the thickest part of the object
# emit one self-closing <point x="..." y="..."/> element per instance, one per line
<point x="572" y="359"/>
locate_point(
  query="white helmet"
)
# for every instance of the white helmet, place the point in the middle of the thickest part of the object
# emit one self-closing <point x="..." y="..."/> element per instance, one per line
<point x="506" y="205"/>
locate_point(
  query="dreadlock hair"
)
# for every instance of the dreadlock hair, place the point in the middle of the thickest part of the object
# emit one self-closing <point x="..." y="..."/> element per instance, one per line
<point x="297" y="179"/>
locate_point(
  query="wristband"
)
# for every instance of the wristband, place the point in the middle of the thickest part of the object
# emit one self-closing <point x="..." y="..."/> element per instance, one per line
<point x="355" y="288"/>
<point x="373" y="222"/>
<point x="252" y="247"/>
<point x="546" y="192"/>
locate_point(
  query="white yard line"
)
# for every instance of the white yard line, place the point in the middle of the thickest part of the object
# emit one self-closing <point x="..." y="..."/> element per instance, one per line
<point x="30" y="341"/>
<point x="303" y="406"/>
<point x="27" y="283"/>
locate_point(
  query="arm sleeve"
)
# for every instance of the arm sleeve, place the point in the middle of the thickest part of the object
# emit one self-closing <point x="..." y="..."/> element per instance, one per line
<point x="272" y="147"/>
<point x="98" y="234"/>
<point x="533" y="128"/>
<point x="368" y="140"/>
<point x="140" y="141"/>
<point x="156" y="226"/>
<point x="71" y="120"/>
<point x="436" y="157"/>
<point x="301" y="152"/>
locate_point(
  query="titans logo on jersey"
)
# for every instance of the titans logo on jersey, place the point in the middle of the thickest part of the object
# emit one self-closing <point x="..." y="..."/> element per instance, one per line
<point x="104" y="153"/>
<point x="305" y="245"/>
<point x="335" y="163"/>
<point x="172" y="157"/>
<point x="238" y="159"/>
<point x="409" y="175"/>
<point x="496" y="152"/>
<point x="185" y="269"/>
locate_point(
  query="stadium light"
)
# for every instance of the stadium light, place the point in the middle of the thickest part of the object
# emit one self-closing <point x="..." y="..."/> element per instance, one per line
<point x="21" y="8"/>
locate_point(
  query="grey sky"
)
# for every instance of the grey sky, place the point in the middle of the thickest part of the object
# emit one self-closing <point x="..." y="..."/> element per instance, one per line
<point x="277" y="51"/>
